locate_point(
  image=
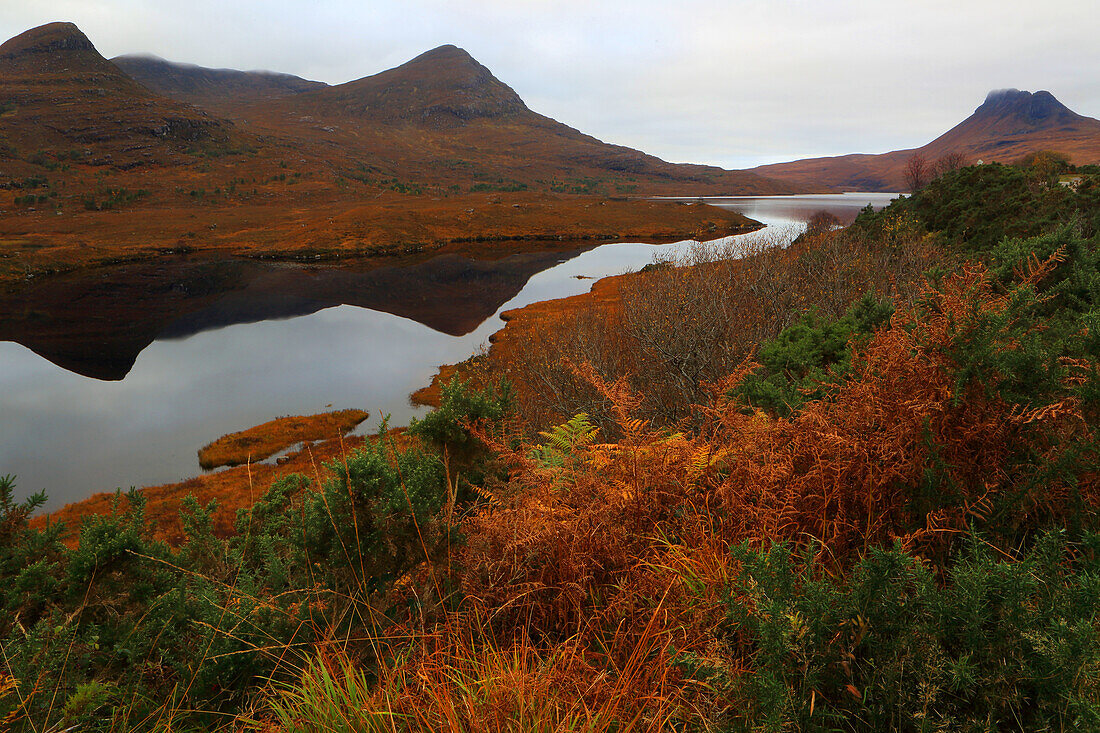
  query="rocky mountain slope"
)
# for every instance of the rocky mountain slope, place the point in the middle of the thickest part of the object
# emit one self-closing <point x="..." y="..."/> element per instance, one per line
<point x="443" y="116"/>
<point x="60" y="97"/>
<point x="440" y="119"/>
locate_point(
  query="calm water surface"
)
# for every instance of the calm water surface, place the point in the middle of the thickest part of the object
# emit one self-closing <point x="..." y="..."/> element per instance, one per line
<point x="146" y="387"/>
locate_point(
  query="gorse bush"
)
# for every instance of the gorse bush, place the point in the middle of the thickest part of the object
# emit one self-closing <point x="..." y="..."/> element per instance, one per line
<point x="999" y="643"/>
<point x="809" y="356"/>
<point x="462" y="407"/>
<point x="977" y="207"/>
<point x="122" y="626"/>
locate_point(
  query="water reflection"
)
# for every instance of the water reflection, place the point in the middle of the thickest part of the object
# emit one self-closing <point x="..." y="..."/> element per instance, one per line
<point x="96" y="323"/>
<point x="795" y="211"/>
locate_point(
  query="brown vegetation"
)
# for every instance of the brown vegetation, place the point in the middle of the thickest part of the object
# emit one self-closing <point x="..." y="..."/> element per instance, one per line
<point x="602" y="531"/>
<point x="35" y="242"/>
<point x="679" y="325"/>
<point x="262" y="441"/>
<point x="619" y="548"/>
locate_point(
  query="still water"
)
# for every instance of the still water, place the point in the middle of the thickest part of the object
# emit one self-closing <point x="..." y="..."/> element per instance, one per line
<point x="132" y="371"/>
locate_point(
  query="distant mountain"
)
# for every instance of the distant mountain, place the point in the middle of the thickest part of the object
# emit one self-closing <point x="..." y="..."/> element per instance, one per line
<point x="58" y="92"/>
<point x="444" y="116"/>
<point x="1008" y="125"/>
<point x="210" y="88"/>
<point x="1011" y="124"/>
<point x="441" y="119"/>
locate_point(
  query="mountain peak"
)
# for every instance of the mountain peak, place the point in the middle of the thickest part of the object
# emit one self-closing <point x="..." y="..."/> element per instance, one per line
<point x="999" y="95"/>
<point x="46" y="44"/>
<point x="52" y="48"/>
<point x="1040" y="109"/>
<point x="443" y="86"/>
<point x="446" y="52"/>
<point x="49" y="38"/>
<point x="445" y="65"/>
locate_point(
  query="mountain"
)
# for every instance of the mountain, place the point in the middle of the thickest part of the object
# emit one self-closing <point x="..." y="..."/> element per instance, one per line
<point x="440" y="87"/>
<point x="1008" y="125"/>
<point x="445" y="117"/>
<point x="210" y="88"/>
<point x="442" y="118"/>
<point x="434" y="155"/>
<point x="1011" y="124"/>
<point x="59" y="93"/>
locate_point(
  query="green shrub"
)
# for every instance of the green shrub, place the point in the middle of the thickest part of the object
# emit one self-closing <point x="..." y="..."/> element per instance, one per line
<point x="977" y="207"/>
<point x="462" y="406"/>
<point x="364" y="528"/>
<point x="998" y="643"/>
<point x="808" y="357"/>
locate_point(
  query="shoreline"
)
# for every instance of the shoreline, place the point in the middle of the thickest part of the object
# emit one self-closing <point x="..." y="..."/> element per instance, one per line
<point x="37" y="244"/>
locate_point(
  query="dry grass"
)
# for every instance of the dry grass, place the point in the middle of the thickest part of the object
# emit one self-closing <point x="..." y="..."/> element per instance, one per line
<point x="263" y="441"/>
<point x="459" y="678"/>
<point x="331" y="223"/>
<point x="689" y="322"/>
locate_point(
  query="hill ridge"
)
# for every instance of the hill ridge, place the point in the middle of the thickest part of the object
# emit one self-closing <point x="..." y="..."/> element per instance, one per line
<point x="219" y="89"/>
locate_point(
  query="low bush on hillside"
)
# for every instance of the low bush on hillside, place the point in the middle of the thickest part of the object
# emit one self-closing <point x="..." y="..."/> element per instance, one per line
<point x="122" y="631"/>
<point x="975" y="208"/>
<point x="997" y="643"/>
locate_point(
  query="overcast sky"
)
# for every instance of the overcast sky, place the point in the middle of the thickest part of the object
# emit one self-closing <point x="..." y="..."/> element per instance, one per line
<point x="734" y="83"/>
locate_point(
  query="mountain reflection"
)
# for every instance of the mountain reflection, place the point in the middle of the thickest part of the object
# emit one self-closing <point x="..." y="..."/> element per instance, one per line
<point x="96" y="323"/>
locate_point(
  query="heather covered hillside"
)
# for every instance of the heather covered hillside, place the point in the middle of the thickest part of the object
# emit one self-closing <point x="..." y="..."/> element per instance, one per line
<point x="847" y="484"/>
